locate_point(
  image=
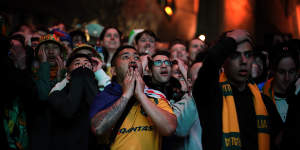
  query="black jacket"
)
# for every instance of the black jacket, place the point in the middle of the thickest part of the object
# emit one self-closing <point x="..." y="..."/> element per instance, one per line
<point x="208" y="98"/>
<point x="290" y="138"/>
<point x="69" y="109"/>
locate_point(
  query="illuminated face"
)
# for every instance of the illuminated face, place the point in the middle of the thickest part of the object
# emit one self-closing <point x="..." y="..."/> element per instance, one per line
<point x="52" y="50"/>
<point x="237" y="67"/>
<point x="196" y="46"/>
<point x="112" y="39"/>
<point x="67" y="45"/>
<point x="127" y="58"/>
<point x="285" y="74"/>
<point x="146" y="44"/>
<point x="179" y="51"/>
<point x="17" y="49"/>
<point x="161" y="69"/>
<point x="257" y="67"/>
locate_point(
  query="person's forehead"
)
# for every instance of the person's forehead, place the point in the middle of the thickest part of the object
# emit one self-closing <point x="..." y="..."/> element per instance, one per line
<point x="178" y="46"/>
<point x="160" y="57"/>
<point x="244" y="47"/>
<point x="66" y="42"/>
<point x="80" y="59"/>
<point x="51" y="44"/>
<point x="196" y="41"/>
<point x="78" y="36"/>
<point x="146" y="36"/>
<point x="111" y="30"/>
<point x="128" y="51"/>
<point x="286" y="63"/>
<point x="16" y="42"/>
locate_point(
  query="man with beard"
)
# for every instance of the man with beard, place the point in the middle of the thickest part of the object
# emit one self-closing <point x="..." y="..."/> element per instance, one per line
<point x="233" y="113"/>
<point x="139" y="117"/>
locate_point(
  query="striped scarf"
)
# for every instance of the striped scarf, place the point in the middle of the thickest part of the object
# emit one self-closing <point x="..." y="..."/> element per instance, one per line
<point x="268" y="90"/>
<point x="231" y="132"/>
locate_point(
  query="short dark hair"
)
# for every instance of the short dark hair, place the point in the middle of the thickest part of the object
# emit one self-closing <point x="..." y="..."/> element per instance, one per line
<point x="158" y="52"/>
<point x="78" y="32"/>
<point x="281" y="51"/>
<point x="148" y="32"/>
<point x="113" y="63"/>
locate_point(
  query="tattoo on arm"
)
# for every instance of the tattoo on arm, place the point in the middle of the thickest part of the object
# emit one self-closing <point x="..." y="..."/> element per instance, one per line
<point x="105" y="119"/>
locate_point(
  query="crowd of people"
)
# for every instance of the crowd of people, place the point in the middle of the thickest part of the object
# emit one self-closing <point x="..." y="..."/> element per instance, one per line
<point x="64" y="92"/>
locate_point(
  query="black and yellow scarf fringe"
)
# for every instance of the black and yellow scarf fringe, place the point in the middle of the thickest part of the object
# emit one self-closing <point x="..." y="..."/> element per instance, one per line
<point x="230" y="125"/>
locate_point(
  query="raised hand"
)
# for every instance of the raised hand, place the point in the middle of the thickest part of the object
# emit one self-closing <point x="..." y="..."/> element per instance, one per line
<point x="97" y="64"/>
<point x="139" y="84"/>
<point x="128" y="84"/>
<point x="42" y="54"/>
<point x="182" y="67"/>
<point x="239" y="35"/>
<point x="60" y="66"/>
<point x="144" y="60"/>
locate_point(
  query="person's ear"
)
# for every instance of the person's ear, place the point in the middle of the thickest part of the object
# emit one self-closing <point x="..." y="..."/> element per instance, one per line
<point x="113" y="71"/>
<point x="135" y="44"/>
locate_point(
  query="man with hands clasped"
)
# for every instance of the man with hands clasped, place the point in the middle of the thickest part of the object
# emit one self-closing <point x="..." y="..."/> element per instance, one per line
<point x="136" y="117"/>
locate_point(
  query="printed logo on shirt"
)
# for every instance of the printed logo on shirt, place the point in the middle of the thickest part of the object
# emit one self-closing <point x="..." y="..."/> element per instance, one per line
<point x="135" y="129"/>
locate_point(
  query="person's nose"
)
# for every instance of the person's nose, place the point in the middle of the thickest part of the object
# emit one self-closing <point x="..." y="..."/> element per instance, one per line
<point x="163" y="64"/>
<point x="244" y="59"/>
<point x="147" y="42"/>
<point x="286" y="76"/>
<point x="132" y="60"/>
<point x="112" y="37"/>
<point x="50" y="51"/>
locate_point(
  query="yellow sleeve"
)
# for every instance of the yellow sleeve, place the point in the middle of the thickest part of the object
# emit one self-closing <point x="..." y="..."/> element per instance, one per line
<point x="164" y="104"/>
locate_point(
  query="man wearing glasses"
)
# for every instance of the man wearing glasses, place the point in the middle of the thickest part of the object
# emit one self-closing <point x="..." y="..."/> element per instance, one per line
<point x="188" y="130"/>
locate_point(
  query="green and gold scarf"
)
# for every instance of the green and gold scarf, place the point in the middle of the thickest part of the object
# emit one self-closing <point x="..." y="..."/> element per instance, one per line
<point x="230" y="125"/>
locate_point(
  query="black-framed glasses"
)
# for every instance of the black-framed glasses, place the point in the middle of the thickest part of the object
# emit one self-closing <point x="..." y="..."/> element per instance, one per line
<point x="160" y="62"/>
